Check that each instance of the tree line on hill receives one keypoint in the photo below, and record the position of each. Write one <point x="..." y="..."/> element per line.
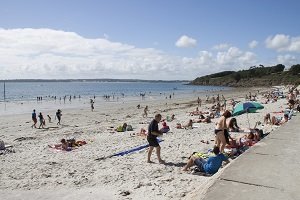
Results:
<point x="254" y="76"/>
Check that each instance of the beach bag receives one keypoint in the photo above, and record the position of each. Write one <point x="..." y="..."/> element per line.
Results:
<point x="2" y="145"/>
<point x="120" y="129"/>
<point x="129" y="128"/>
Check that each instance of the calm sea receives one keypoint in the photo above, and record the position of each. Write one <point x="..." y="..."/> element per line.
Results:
<point x="26" y="93"/>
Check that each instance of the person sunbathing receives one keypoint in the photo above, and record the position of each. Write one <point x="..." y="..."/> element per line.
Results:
<point x="143" y="132"/>
<point x="279" y="120"/>
<point x="63" y="146"/>
<point x="202" y="119"/>
<point x="248" y="140"/>
<point x="232" y="125"/>
<point x="196" y="112"/>
<point x="211" y="166"/>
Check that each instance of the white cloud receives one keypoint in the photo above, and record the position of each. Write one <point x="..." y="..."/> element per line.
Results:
<point x="185" y="41"/>
<point x="281" y="42"/>
<point x="253" y="44"/>
<point x="46" y="53"/>
<point x="221" y="47"/>
<point x="287" y="60"/>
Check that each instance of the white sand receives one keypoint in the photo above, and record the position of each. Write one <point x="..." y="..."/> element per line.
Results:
<point x="37" y="172"/>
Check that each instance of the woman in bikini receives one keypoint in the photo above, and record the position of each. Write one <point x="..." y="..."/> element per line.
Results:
<point x="222" y="135"/>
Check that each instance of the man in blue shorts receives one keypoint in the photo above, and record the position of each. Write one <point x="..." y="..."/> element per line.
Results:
<point x="210" y="166"/>
<point x="153" y="132"/>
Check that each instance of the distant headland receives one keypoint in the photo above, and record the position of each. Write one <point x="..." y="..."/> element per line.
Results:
<point x="254" y="76"/>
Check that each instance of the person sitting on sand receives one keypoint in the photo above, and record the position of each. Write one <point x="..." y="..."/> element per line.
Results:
<point x="189" y="125"/>
<point x="63" y="146"/>
<point x="172" y="117"/>
<point x="279" y="120"/>
<point x="165" y="128"/>
<point x="143" y="132"/>
<point x="247" y="140"/>
<point x="267" y="119"/>
<point x="211" y="166"/>
<point x="232" y="125"/>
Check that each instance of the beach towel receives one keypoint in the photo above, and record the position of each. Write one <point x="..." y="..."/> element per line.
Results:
<point x="122" y="153"/>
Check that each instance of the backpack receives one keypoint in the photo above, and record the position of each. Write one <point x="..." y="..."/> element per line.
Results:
<point x="129" y="128"/>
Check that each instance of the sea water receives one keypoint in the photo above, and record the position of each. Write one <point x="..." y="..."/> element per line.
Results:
<point x="22" y="97"/>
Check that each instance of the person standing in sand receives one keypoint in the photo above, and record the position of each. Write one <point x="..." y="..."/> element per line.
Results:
<point x="153" y="132"/>
<point x="42" y="120"/>
<point x="145" y="112"/>
<point x="92" y="105"/>
<point x="34" y="119"/>
<point x="221" y="132"/>
<point x="58" y="115"/>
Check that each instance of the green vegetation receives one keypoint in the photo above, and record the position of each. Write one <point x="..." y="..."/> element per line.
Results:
<point x="254" y="76"/>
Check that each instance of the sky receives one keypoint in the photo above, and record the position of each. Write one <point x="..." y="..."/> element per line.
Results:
<point x="143" y="39"/>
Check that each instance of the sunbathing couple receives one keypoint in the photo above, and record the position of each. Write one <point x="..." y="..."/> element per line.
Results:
<point x="67" y="145"/>
<point x="276" y="120"/>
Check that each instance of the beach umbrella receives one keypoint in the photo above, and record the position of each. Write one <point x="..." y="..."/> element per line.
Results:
<point x="246" y="107"/>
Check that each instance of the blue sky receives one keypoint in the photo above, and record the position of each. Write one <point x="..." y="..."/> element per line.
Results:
<point x="139" y="39"/>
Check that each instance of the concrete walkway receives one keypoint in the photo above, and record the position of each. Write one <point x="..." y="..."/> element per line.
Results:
<point x="269" y="170"/>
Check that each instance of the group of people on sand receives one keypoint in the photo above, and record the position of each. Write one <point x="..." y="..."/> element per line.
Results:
<point x="210" y="166"/>
<point x="223" y="141"/>
<point x="42" y="119"/>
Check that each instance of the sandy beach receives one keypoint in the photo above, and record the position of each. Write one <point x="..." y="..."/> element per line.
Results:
<point x="36" y="171"/>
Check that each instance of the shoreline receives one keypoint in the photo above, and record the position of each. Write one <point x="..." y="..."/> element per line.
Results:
<point x="35" y="167"/>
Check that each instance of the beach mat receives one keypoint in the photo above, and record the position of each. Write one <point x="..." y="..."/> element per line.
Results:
<point x="122" y="153"/>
